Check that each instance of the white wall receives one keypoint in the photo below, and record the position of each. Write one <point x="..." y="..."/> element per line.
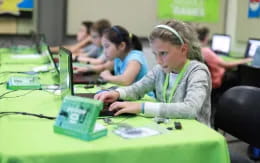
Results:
<point x="239" y="26"/>
<point x="231" y="26"/>
<point x="138" y="16"/>
<point x="12" y="25"/>
<point x="246" y="27"/>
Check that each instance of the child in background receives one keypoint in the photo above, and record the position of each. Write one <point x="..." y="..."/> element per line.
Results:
<point x="96" y="35"/>
<point x="222" y="78"/>
<point x="123" y="55"/>
<point x="83" y="38"/>
<point x="217" y="66"/>
<point x="95" y="57"/>
<point x="125" y="50"/>
<point x="181" y="81"/>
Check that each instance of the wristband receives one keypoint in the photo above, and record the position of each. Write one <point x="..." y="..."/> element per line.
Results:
<point x="76" y="58"/>
<point x="142" y="108"/>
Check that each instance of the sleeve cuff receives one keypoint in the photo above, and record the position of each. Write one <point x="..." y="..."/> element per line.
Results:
<point x="122" y="94"/>
<point x="151" y="109"/>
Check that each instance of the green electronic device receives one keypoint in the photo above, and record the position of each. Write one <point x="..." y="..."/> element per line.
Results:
<point x="77" y="118"/>
<point x="23" y="83"/>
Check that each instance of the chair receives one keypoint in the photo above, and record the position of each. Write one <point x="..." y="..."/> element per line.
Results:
<point x="249" y="75"/>
<point x="238" y="113"/>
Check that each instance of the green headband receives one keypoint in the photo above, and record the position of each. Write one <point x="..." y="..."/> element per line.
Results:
<point x="171" y="30"/>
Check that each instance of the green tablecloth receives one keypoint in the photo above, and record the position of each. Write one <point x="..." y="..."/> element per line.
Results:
<point x="19" y="50"/>
<point x="230" y="58"/>
<point x="7" y="57"/>
<point x="25" y="139"/>
<point x="227" y="58"/>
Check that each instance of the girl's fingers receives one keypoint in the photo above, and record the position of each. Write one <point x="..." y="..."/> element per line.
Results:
<point x="116" y="106"/>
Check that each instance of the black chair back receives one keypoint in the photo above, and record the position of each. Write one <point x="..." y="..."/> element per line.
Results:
<point x="249" y="75"/>
<point x="238" y="113"/>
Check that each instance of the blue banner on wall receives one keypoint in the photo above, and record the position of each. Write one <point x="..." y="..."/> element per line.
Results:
<point x="16" y="8"/>
<point x="26" y="5"/>
<point x="254" y="9"/>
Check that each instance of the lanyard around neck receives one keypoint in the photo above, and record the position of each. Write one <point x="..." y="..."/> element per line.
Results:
<point x="176" y="82"/>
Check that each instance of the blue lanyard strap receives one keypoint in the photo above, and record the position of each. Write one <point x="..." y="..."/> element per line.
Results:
<point x="176" y="82"/>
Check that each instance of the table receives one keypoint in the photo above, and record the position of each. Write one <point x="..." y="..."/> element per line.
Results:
<point x="25" y="139"/>
<point x="228" y="58"/>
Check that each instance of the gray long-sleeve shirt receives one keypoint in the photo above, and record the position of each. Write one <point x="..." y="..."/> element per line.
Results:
<point x="191" y="99"/>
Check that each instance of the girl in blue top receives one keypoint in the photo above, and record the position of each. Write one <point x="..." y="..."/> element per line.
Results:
<point x="124" y="50"/>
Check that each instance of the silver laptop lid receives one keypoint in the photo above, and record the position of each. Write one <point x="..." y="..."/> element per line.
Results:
<point x="221" y="44"/>
<point x="252" y="45"/>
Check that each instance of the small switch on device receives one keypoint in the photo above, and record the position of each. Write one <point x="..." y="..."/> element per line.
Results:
<point x="177" y="125"/>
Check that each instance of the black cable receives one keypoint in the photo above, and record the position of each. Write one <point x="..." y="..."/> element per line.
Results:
<point x="6" y="93"/>
<point x="5" y="72"/>
<point x="21" y="72"/>
<point x="1" y="97"/>
<point x="1" y="83"/>
<point x="29" y="114"/>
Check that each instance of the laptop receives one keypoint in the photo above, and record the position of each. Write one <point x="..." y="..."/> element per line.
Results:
<point x="66" y="80"/>
<point x="39" y="39"/>
<point x="30" y="55"/>
<point x="82" y="78"/>
<point x="31" y="82"/>
<point x="36" y="39"/>
<point x="252" y="45"/>
<point x="30" y="51"/>
<point x="45" y="50"/>
<point x="221" y="44"/>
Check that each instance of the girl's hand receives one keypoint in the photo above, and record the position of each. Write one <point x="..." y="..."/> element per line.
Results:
<point x="83" y="59"/>
<point x="125" y="107"/>
<point x="248" y="60"/>
<point x="106" y="74"/>
<point x="80" y="69"/>
<point x="107" y="96"/>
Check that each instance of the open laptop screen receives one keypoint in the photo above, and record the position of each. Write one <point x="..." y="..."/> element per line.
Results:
<point x="252" y="45"/>
<point x="45" y="50"/>
<point x="65" y="63"/>
<point x="39" y="39"/>
<point x="221" y="44"/>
